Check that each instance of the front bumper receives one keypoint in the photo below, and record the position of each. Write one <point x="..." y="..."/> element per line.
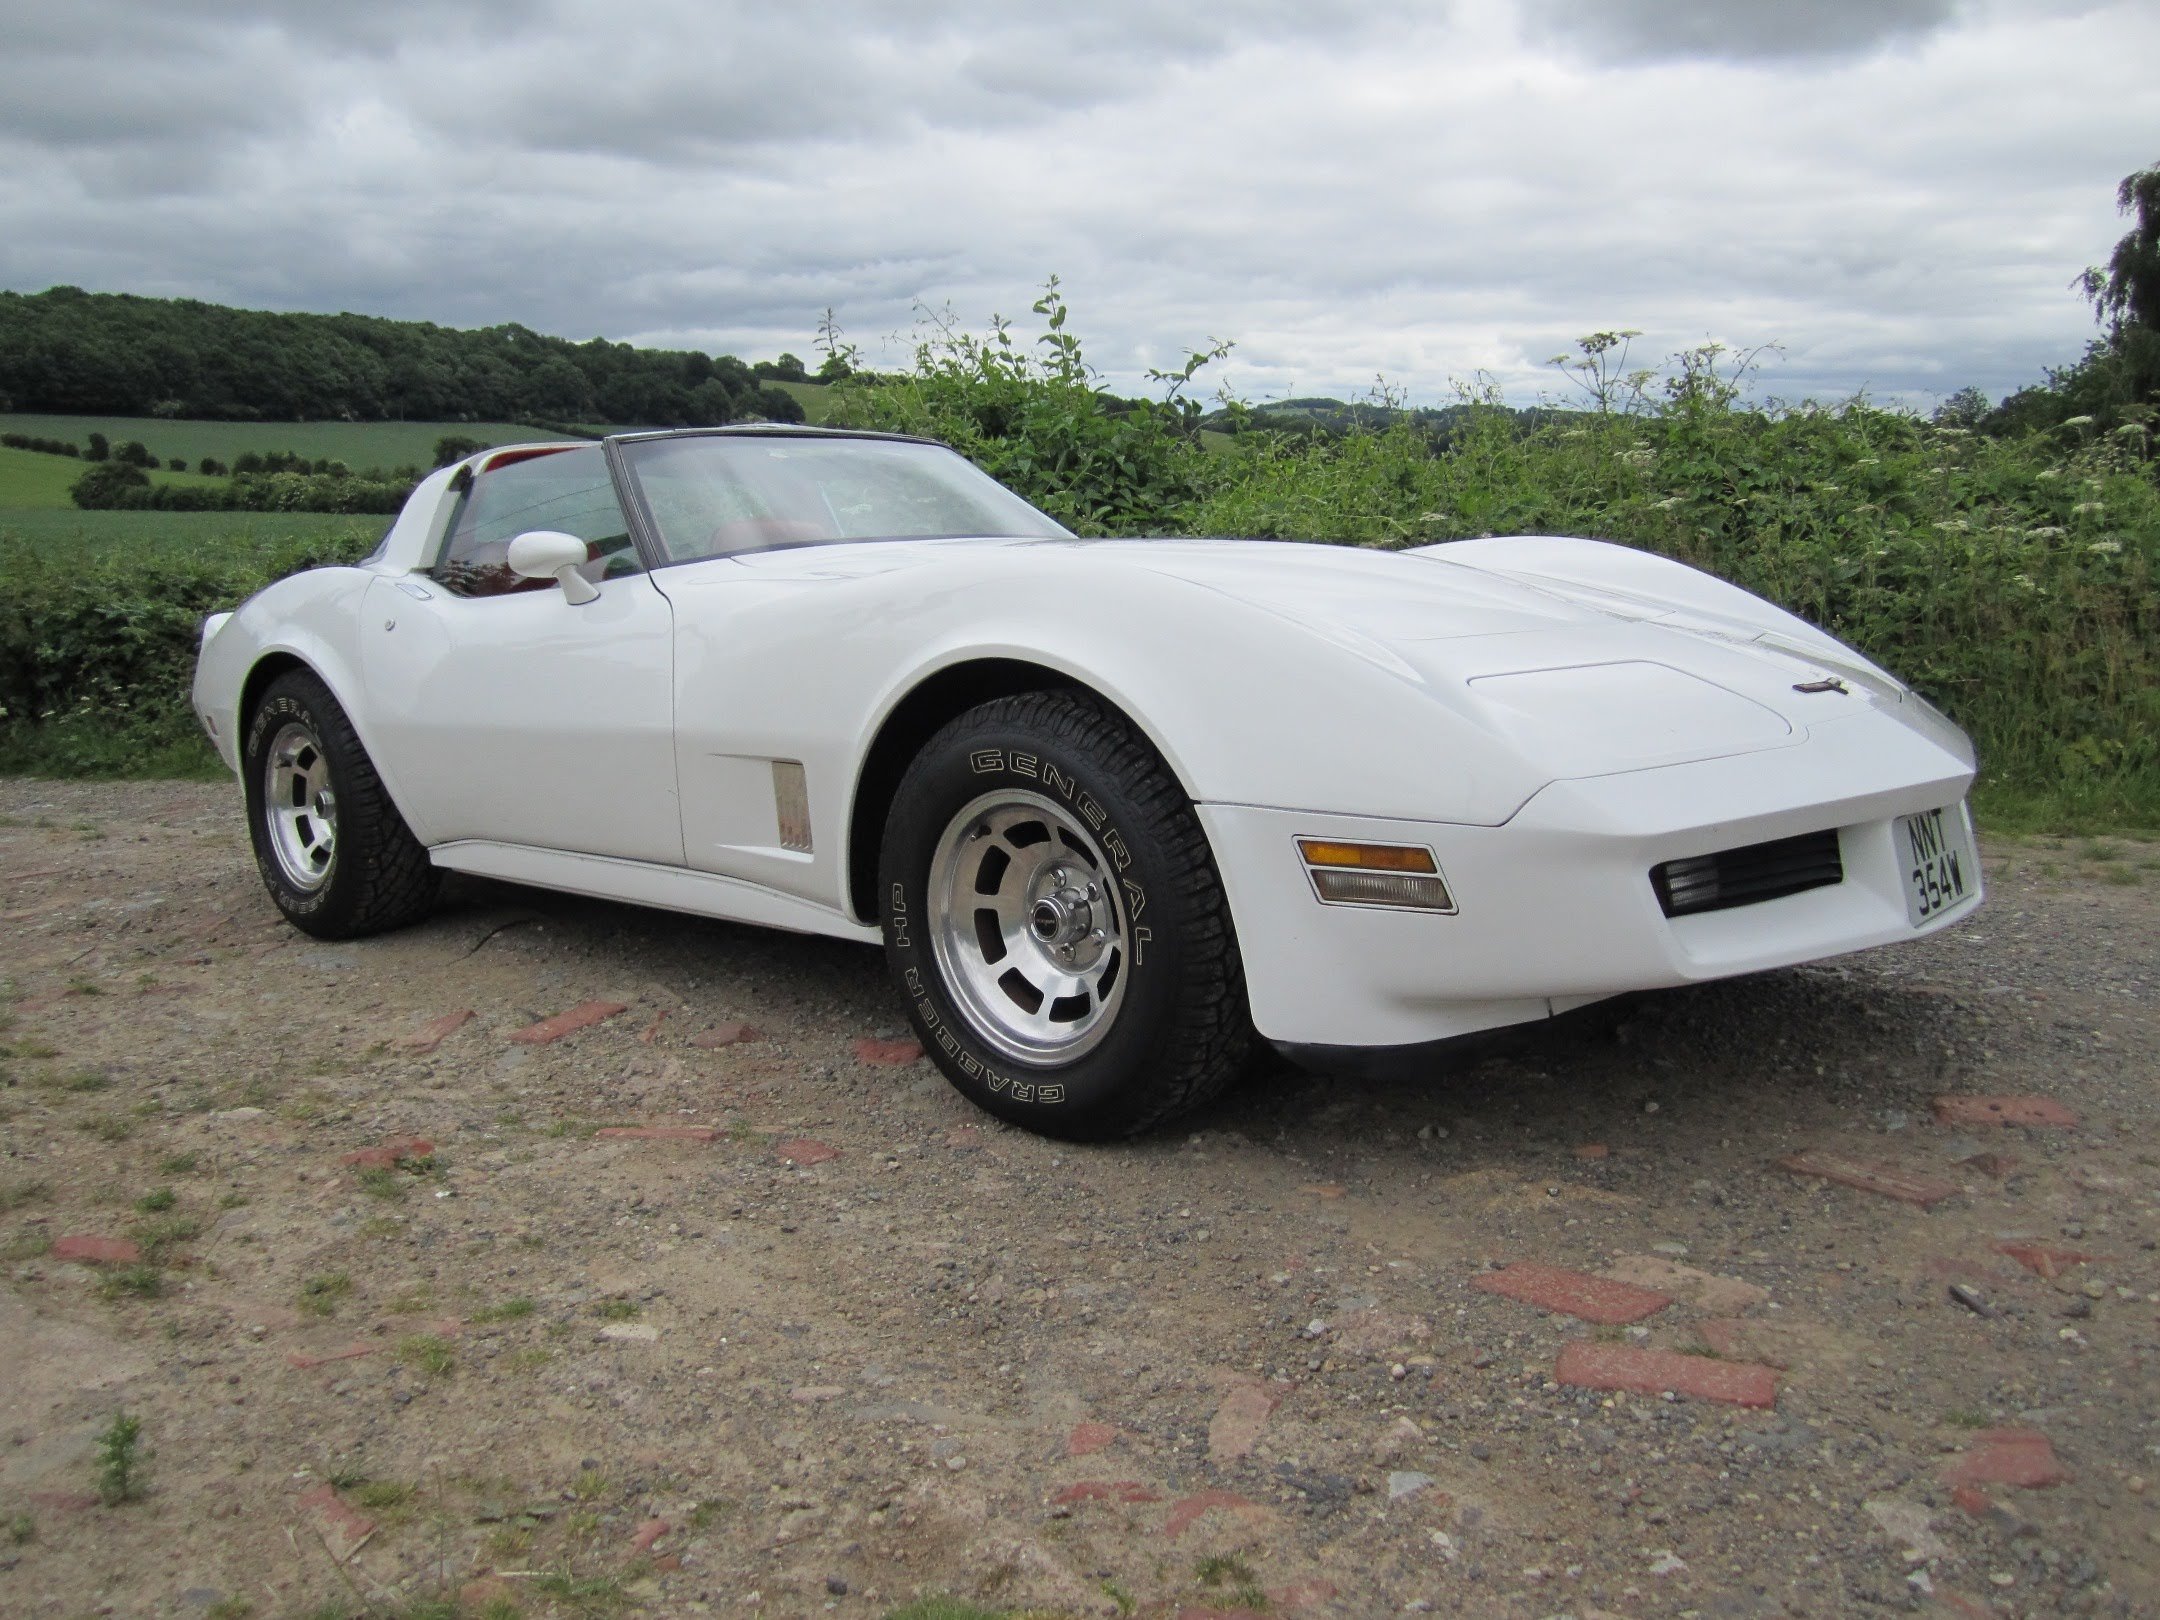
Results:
<point x="1555" y="908"/>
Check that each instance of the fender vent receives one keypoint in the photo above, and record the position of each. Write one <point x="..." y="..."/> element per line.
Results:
<point x="791" y="804"/>
<point x="1749" y="875"/>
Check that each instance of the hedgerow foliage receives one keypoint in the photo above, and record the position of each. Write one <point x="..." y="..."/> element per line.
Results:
<point x="97" y="655"/>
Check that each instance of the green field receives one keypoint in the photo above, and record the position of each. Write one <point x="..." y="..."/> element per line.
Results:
<point x="33" y="480"/>
<point x="362" y="446"/>
<point x="158" y="537"/>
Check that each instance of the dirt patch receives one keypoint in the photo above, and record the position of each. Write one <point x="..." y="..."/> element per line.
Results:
<point x="635" y="1316"/>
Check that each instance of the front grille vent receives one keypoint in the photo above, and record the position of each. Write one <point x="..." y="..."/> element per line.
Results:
<point x="1747" y="876"/>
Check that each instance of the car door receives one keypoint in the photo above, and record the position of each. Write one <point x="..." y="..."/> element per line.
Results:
<point x="511" y="713"/>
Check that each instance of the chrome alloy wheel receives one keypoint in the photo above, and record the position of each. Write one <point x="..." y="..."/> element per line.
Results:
<point x="1027" y="927"/>
<point x="300" y="806"/>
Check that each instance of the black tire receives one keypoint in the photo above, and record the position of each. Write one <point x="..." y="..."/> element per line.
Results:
<point x="1170" y="1027"/>
<point x="364" y="872"/>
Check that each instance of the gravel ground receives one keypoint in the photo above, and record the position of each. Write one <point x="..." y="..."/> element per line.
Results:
<point x="853" y="1344"/>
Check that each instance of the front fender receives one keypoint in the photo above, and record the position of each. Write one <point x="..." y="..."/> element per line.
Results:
<point x="313" y="618"/>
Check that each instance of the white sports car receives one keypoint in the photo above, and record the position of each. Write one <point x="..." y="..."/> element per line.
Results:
<point x="1112" y="806"/>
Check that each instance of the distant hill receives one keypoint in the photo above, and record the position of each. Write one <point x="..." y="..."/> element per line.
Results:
<point x="114" y="354"/>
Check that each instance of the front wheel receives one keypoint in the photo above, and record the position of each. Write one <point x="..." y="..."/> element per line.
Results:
<point x="1054" y="918"/>
<point x="333" y="851"/>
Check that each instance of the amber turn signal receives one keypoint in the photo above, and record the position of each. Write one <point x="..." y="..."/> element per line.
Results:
<point x="1367" y="857"/>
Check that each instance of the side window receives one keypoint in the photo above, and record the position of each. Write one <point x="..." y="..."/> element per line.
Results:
<point x="566" y="490"/>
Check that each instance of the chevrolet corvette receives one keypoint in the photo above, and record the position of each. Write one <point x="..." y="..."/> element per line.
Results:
<point x="1113" y="808"/>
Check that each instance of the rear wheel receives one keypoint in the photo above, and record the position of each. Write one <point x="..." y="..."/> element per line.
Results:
<point x="1054" y="918"/>
<point x="333" y="851"/>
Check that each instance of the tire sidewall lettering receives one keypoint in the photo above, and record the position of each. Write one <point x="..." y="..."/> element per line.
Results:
<point x="1035" y="772"/>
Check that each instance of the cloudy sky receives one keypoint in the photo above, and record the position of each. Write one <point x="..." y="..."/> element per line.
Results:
<point x="1896" y="191"/>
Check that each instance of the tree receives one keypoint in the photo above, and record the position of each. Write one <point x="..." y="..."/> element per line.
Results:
<point x="2126" y="294"/>
<point x="449" y="448"/>
<point x="99" y="448"/>
<point x="777" y="405"/>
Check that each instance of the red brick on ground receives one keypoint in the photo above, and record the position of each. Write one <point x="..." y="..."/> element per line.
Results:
<point x="1902" y="1185"/>
<point x="1185" y="1514"/>
<point x="98" y="1251"/>
<point x="725" y="1035"/>
<point x="803" y="1150"/>
<point x="1088" y="1438"/>
<point x="1593" y="1150"/>
<point x="660" y="1133"/>
<point x="2044" y="1112"/>
<point x="648" y="1533"/>
<point x="2046" y="1260"/>
<point x="1572" y="1293"/>
<point x="1322" y="1189"/>
<point x="1652" y="1372"/>
<point x="1971" y="1499"/>
<point x="889" y="1053"/>
<point x="1105" y="1490"/>
<point x="392" y="1152"/>
<point x="583" y="1016"/>
<point x="2024" y="1458"/>
<point x="344" y="1530"/>
<point x="304" y="1362"/>
<point x="432" y="1034"/>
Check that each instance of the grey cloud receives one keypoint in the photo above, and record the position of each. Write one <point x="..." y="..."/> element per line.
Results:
<point x="1735" y="30"/>
<point x="1344" y="191"/>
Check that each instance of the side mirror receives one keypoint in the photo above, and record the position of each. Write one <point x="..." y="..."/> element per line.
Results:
<point x="549" y="553"/>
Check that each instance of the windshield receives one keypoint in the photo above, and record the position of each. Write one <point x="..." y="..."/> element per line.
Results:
<point x="712" y="494"/>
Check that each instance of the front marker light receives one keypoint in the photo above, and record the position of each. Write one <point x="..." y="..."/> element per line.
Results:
<point x="1403" y="877"/>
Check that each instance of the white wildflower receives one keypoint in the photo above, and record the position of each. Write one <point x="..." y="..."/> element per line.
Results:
<point x="1953" y="526"/>
<point x="2046" y="531"/>
<point x="2077" y="421"/>
<point x="2083" y="507"/>
<point x="2106" y="548"/>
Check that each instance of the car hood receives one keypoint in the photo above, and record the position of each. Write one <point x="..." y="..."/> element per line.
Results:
<point x="1591" y="679"/>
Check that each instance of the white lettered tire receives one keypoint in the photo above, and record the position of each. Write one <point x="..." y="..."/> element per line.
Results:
<point x="1054" y="918"/>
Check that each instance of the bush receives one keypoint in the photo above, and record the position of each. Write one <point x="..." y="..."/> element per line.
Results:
<point x="106" y="648"/>
<point x="1032" y="417"/>
<point x="452" y="448"/>
<point x="50" y="447"/>
<point x="109" y="484"/>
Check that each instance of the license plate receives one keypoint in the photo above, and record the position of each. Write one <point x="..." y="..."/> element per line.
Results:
<point x="1940" y="866"/>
